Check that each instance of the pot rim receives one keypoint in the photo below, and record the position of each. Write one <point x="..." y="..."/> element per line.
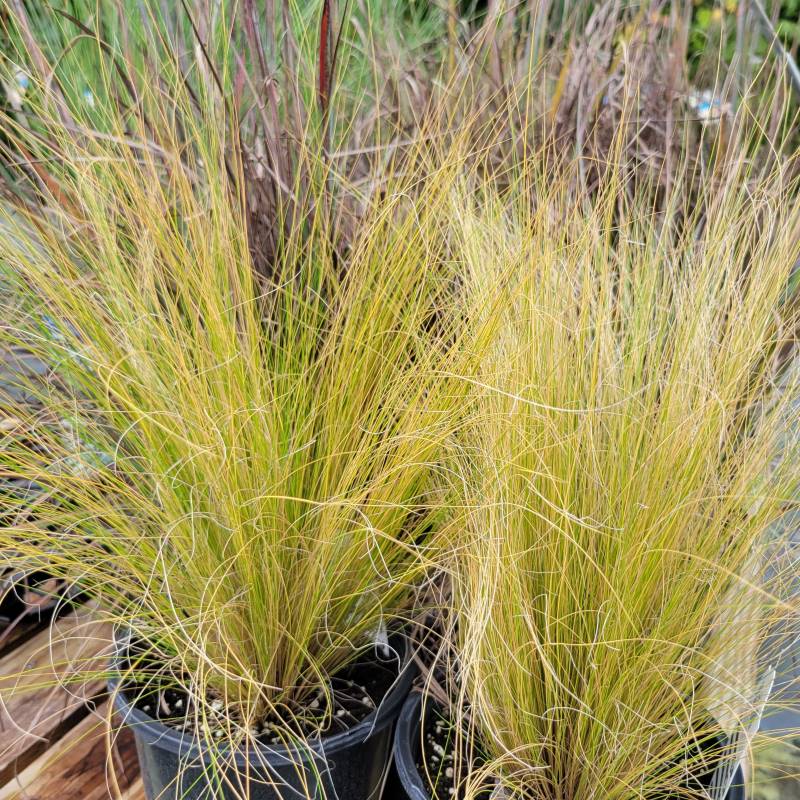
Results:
<point x="404" y="761"/>
<point x="186" y="745"/>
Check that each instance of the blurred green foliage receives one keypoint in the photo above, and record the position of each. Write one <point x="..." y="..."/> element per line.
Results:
<point x="714" y="24"/>
<point x="777" y="771"/>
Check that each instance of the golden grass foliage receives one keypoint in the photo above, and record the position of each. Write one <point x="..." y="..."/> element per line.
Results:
<point x="240" y="469"/>
<point x="630" y="447"/>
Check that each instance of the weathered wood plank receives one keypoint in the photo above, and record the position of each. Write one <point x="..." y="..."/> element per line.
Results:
<point x="43" y="690"/>
<point x="79" y="767"/>
<point x="136" y="792"/>
<point x="12" y="637"/>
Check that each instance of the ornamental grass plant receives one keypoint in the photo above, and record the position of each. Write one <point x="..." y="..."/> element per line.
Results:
<point x="618" y="573"/>
<point x="239" y="467"/>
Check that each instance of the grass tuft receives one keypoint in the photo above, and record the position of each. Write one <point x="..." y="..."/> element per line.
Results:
<point x="629" y="454"/>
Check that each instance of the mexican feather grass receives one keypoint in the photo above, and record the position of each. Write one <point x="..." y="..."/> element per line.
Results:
<point x="240" y="469"/>
<point x="626" y="473"/>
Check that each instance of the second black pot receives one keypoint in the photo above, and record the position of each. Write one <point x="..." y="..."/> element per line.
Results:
<point x="345" y="766"/>
<point x="409" y="784"/>
<point x="28" y="594"/>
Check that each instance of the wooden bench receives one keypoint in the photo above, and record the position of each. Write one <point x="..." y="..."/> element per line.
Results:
<point x="56" y="740"/>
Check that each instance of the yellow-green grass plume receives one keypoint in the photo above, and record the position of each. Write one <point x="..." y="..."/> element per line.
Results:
<point x="240" y="467"/>
<point x="629" y="455"/>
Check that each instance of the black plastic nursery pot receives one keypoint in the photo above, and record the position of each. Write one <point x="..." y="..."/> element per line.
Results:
<point x="350" y="765"/>
<point x="28" y="593"/>
<point x="410" y="785"/>
<point x="33" y="594"/>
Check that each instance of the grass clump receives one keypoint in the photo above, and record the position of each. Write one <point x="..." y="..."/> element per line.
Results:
<point x="630" y="449"/>
<point x="239" y="466"/>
